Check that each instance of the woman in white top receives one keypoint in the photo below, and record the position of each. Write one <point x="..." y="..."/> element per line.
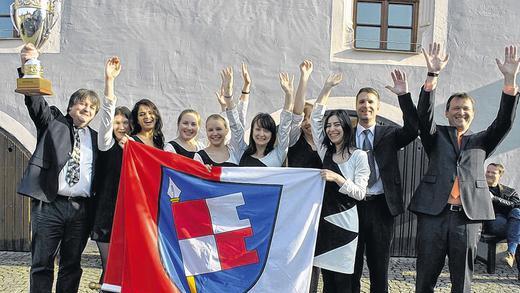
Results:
<point x="262" y="150"/>
<point x="346" y="171"/>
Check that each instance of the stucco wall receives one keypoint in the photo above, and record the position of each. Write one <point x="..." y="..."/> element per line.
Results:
<point x="172" y="52"/>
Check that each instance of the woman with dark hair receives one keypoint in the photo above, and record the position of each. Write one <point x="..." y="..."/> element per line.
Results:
<point x="262" y="150"/>
<point x="114" y="126"/>
<point x="186" y="143"/>
<point x="147" y="124"/>
<point x="346" y="171"/>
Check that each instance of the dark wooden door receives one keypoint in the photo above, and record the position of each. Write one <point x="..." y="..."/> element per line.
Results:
<point x="14" y="209"/>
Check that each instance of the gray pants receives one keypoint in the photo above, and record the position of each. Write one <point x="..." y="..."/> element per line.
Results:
<point x="449" y="234"/>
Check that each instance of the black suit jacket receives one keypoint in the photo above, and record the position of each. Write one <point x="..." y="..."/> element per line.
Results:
<point x="53" y="149"/>
<point x="388" y="140"/>
<point x="447" y="160"/>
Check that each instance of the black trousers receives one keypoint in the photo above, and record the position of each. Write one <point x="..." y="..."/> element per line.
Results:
<point x="334" y="282"/>
<point x="450" y="233"/>
<point x="60" y="227"/>
<point x="376" y="231"/>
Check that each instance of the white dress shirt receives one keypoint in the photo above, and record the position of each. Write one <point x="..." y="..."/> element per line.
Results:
<point x="377" y="188"/>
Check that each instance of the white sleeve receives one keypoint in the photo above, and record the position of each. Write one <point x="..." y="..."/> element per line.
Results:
<point x="317" y="129"/>
<point x="242" y="111"/>
<point x="106" y="129"/>
<point x="357" y="188"/>
<point x="169" y="148"/>
<point x="295" y="132"/>
<point x="277" y="156"/>
<point x="237" y="142"/>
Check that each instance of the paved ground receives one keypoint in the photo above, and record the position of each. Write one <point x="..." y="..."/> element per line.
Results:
<point x="14" y="272"/>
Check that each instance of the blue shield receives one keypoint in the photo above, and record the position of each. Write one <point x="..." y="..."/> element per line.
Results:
<point x="260" y="207"/>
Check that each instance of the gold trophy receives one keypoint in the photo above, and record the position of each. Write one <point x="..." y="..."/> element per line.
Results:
<point x="34" y="20"/>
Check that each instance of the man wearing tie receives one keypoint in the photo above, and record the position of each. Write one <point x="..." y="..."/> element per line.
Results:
<point x="453" y="198"/>
<point x="58" y="179"/>
<point x="384" y="199"/>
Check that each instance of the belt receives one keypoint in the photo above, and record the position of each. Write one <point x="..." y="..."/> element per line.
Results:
<point x="370" y="197"/>
<point x="73" y="198"/>
<point x="454" y="208"/>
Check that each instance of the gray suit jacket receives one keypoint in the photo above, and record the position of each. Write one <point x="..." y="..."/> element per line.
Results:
<point x="53" y="149"/>
<point x="447" y="160"/>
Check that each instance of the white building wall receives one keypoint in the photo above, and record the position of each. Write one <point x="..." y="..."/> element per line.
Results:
<point x="172" y="52"/>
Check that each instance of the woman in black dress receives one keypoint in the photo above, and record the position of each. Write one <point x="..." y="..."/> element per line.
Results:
<point x="261" y="151"/>
<point x="346" y="171"/>
<point x="217" y="153"/>
<point x="114" y="126"/>
<point x="147" y="124"/>
<point x="186" y="143"/>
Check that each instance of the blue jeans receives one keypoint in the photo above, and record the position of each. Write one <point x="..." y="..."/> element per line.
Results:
<point x="507" y="227"/>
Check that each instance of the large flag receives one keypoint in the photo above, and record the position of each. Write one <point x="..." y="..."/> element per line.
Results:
<point x="181" y="228"/>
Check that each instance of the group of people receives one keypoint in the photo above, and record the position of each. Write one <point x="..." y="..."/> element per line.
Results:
<point x="74" y="172"/>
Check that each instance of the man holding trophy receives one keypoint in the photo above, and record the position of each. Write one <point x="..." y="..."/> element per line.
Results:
<point x="59" y="175"/>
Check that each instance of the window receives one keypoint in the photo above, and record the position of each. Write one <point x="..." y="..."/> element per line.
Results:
<point x="7" y="30"/>
<point x="386" y="25"/>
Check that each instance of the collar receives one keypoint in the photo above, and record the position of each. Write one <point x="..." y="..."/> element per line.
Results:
<point x="360" y="129"/>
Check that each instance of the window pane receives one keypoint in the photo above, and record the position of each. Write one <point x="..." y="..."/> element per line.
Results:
<point x="4" y="6"/>
<point x="399" y="39"/>
<point x="400" y="15"/>
<point x="367" y="37"/>
<point x="6" y="28"/>
<point x="369" y="13"/>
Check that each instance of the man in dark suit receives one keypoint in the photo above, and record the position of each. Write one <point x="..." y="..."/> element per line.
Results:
<point x="59" y="179"/>
<point x="453" y="198"/>
<point x="384" y="199"/>
<point x="506" y="203"/>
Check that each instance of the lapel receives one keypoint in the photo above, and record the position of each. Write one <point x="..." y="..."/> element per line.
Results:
<point x="452" y="131"/>
<point x="378" y="135"/>
<point x="93" y="139"/>
<point x="70" y="125"/>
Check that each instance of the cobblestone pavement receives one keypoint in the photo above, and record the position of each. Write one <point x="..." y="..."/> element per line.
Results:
<point x="14" y="274"/>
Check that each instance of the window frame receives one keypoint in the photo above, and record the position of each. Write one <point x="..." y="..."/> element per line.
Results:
<point x="14" y="35"/>
<point x="383" y="25"/>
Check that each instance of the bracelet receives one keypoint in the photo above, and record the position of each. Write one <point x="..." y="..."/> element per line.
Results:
<point x="228" y="97"/>
<point x="245" y="93"/>
<point x="433" y="74"/>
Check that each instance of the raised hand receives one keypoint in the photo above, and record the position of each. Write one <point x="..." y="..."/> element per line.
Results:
<point x="306" y="69"/>
<point x="400" y="83"/>
<point x="227" y="81"/>
<point x="509" y="67"/>
<point x="333" y="80"/>
<point x="112" y="67"/>
<point x="220" y="98"/>
<point x="29" y="51"/>
<point x="287" y="83"/>
<point x="245" y="75"/>
<point x="434" y="59"/>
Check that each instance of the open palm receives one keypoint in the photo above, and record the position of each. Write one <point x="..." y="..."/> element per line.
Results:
<point x="434" y="59"/>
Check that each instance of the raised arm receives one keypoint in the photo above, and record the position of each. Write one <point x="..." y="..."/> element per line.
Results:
<point x="299" y="101"/>
<point x="236" y="142"/>
<point x="502" y="124"/>
<point x="39" y="111"/>
<point x="410" y="129"/>
<point x="105" y="134"/>
<point x="319" y="110"/>
<point x="435" y="61"/>
<point x="281" y="148"/>
<point x="243" y="102"/>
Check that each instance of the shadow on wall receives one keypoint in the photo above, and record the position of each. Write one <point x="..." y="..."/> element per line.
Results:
<point x="487" y="100"/>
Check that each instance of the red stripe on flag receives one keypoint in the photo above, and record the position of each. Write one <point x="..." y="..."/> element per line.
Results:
<point x="232" y="250"/>
<point x="192" y="219"/>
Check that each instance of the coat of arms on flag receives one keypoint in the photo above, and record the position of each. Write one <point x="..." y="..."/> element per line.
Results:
<point x="180" y="228"/>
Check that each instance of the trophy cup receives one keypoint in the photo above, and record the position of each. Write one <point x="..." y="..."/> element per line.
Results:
<point x="34" y="20"/>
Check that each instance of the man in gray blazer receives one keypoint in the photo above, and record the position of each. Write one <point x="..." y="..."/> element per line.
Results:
<point x="58" y="179"/>
<point x="453" y="198"/>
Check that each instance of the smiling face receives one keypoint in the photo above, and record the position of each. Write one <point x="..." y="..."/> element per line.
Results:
<point x="261" y="135"/>
<point x="216" y="131"/>
<point x="492" y="175"/>
<point x="146" y="118"/>
<point x="121" y="126"/>
<point x="334" y="130"/>
<point x="83" y="112"/>
<point x="367" y="107"/>
<point x="188" y="126"/>
<point x="460" y="113"/>
<point x="306" y="123"/>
